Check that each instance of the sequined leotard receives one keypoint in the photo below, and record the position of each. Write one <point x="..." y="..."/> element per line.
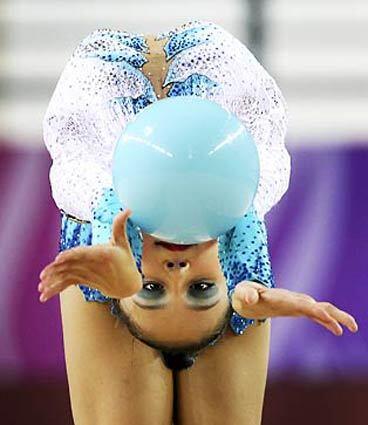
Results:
<point x="111" y="76"/>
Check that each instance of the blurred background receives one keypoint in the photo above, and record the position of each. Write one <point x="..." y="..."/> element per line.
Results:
<point x="318" y="233"/>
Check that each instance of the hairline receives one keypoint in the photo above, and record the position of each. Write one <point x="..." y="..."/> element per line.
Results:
<point x="138" y="333"/>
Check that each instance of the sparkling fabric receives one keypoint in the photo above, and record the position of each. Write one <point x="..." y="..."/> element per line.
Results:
<point x="74" y="233"/>
<point x="103" y="217"/>
<point x="102" y="88"/>
<point x="243" y="250"/>
<point x="243" y="255"/>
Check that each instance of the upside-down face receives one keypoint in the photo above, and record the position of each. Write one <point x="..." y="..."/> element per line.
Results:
<point x="184" y="295"/>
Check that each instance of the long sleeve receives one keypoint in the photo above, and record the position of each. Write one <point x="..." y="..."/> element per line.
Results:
<point x="244" y="256"/>
<point x="74" y="232"/>
<point x="232" y="77"/>
<point x="87" y="112"/>
<point x="107" y="207"/>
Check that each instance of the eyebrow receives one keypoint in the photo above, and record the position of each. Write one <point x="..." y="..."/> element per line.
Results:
<point x="195" y="280"/>
<point x="163" y="306"/>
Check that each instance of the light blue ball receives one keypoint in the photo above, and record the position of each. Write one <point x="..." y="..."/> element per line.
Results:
<point x="187" y="168"/>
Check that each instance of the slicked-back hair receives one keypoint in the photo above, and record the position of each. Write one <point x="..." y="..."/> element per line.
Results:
<point x="174" y="358"/>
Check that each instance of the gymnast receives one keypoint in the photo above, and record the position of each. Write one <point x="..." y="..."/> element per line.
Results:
<point x="159" y="333"/>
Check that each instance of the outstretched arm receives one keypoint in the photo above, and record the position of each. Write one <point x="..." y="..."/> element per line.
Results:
<point x="253" y="300"/>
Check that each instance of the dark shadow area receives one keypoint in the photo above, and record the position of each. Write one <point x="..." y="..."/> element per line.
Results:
<point x="336" y="402"/>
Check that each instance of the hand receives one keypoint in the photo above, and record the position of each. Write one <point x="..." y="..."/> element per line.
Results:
<point x="256" y="301"/>
<point x="110" y="267"/>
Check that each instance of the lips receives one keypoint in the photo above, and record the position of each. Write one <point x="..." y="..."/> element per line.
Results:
<point x="173" y="246"/>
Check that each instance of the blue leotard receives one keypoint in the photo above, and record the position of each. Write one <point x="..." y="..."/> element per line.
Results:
<point x="242" y="251"/>
<point x="103" y="87"/>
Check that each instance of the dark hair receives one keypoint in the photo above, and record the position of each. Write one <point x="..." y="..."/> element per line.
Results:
<point x="174" y="358"/>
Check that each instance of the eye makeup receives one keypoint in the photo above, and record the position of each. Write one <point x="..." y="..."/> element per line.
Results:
<point x="202" y="290"/>
<point x="199" y="294"/>
<point x="152" y="291"/>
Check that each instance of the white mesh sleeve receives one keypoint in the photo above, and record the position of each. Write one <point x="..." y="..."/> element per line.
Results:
<point x="83" y="119"/>
<point x="258" y="102"/>
<point x="246" y="89"/>
<point x="262" y="108"/>
<point x="83" y="122"/>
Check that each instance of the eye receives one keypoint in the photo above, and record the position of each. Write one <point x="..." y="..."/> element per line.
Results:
<point x="151" y="291"/>
<point x="201" y="286"/>
<point x="153" y="287"/>
<point x="202" y="290"/>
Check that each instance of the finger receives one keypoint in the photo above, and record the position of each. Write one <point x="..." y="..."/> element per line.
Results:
<point x="95" y="268"/>
<point x="74" y="280"/>
<point x="47" y="286"/>
<point x="69" y="277"/>
<point x="54" y="268"/>
<point x="42" y="298"/>
<point x="248" y="294"/>
<point x="69" y="254"/>
<point x="319" y="312"/>
<point x="49" y="290"/>
<point x="48" y="270"/>
<point x="79" y="257"/>
<point x="331" y="327"/>
<point x="119" y="231"/>
<point x="48" y="293"/>
<point x="49" y="282"/>
<point x="59" y="282"/>
<point x="78" y="253"/>
<point x="343" y="317"/>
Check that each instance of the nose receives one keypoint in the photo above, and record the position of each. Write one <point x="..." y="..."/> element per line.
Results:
<point x="176" y="264"/>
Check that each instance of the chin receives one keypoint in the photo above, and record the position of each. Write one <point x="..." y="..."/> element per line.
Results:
<point x="177" y="247"/>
